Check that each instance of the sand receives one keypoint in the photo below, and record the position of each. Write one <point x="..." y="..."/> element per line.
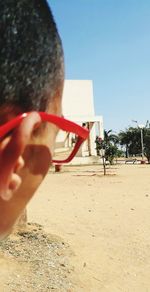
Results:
<point x="34" y="261"/>
<point x="105" y="221"/>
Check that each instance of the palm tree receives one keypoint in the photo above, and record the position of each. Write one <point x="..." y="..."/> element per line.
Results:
<point x="126" y="138"/>
<point x="131" y="139"/>
<point x="109" y="144"/>
<point x="109" y="137"/>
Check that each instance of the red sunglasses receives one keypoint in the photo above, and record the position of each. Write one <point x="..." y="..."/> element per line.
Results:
<point x="62" y="123"/>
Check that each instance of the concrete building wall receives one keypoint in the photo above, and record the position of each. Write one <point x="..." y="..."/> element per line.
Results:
<point x="78" y="106"/>
<point x="78" y="98"/>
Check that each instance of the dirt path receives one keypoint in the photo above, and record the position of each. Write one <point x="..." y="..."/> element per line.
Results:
<point x="105" y="220"/>
<point x="34" y="261"/>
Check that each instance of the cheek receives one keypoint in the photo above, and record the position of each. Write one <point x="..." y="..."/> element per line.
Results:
<point x="37" y="160"/>
<point x="50" y="137"/>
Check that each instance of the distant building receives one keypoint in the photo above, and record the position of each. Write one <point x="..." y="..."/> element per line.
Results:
<point x="78" y="106"/>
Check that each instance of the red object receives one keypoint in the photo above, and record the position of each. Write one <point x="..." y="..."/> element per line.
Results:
<point x="60" y="122"/>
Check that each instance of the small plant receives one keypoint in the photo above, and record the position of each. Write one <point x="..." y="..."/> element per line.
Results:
<point x="108" y="146"/>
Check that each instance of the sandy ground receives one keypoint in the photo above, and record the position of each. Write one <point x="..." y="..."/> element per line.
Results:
<point x="32" y="260"/>
<point x="105" y="220"/>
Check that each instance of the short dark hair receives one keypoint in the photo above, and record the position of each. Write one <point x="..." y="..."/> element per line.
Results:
<point x="31" y="54"/>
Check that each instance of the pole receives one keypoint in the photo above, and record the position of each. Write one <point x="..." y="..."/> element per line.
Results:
<point x="102" y="154"/>
<point x="104" y="165"/>
<point x="142" y="144"/>
<point x="141" y="127"/>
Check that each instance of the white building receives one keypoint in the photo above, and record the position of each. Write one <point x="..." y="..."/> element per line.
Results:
<point x="78" y="106"/>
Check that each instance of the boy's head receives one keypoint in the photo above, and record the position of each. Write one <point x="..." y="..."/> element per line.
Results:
<point x="31" y="79"/>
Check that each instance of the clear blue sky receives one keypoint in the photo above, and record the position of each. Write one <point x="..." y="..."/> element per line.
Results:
<point x="108" y="41"/>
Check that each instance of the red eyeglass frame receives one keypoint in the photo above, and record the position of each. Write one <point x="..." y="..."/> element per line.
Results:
<point x="60" y="122"/>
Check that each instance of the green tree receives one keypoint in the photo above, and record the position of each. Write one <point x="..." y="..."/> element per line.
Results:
<point x="146" y="140"/>
<point x="131" y="139"/>
<point x="108" y="145"/>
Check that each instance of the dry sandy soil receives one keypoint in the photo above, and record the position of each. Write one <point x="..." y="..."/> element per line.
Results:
<point x="103" y="224"/>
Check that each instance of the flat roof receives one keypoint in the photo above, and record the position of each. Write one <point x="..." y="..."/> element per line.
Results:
<point x="85" y="118"/>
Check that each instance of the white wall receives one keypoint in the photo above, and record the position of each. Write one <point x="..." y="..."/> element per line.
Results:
<point x="78" y="98"/>
<point x="78" y="106"/>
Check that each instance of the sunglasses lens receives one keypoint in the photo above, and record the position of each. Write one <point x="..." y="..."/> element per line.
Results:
<point x="65" y="143"/>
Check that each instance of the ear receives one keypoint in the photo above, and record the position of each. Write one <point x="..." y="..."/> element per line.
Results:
<point x="11" y="151"/>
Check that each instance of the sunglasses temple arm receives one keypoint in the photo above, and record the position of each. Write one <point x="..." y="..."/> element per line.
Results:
<point x="73" y="153"/>
<point x="11" y="125"/>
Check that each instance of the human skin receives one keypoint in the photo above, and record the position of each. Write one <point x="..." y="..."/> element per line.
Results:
<point x="25" y="158"/>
